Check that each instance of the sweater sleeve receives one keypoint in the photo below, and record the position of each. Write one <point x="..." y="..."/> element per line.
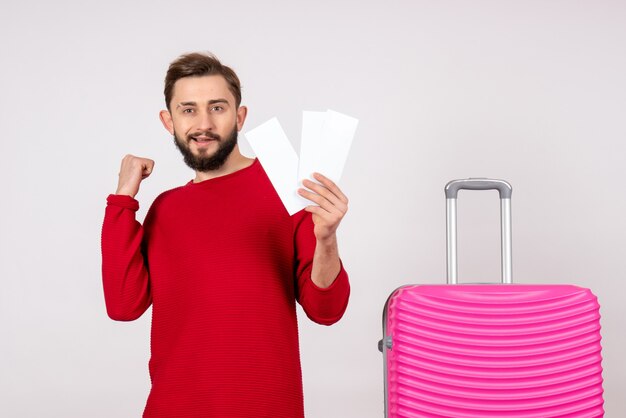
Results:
<point x="322" y="305"/>
<point x="124" y="271"/>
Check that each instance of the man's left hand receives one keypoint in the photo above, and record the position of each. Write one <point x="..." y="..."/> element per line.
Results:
<point x="331" y="207"/>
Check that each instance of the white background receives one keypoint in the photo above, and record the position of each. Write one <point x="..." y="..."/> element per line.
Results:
<point x="531" y="91"/>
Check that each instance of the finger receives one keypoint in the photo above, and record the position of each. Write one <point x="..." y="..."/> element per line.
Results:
<point x="148" y="166"/>
<point x="316" y="198"/>
<point x="326" y="193"/>
<point x="328" y="220"/>
<point x="335" y="210"/>
<point x="330" y="185"/>
<point x="321" y="190"/>
<point x="316" y="210"/>
<point x="330" y="211"/>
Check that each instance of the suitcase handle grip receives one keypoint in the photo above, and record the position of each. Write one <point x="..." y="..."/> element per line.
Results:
<point x="453" y="187"/>
<point x="452" y="190"/>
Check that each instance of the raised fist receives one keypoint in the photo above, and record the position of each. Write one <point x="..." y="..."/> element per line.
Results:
<point x="132" y="172"/>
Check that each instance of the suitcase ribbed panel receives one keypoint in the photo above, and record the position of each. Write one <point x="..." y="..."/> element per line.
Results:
<point x="480" y="351"/>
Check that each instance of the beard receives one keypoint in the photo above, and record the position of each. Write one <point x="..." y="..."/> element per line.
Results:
<point x="204" y="162"/>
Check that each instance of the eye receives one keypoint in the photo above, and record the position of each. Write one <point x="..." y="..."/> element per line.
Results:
<point x="188" y="110"/>
<point x="217" y="108"/>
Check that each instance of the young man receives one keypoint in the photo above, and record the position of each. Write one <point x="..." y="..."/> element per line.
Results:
<point x="221" y="262"/>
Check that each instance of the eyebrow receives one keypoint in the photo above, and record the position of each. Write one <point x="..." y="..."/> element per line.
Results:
<point x="211" y="102"/>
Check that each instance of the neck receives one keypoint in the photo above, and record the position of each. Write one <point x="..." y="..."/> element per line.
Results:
<point x="235" y="162"/>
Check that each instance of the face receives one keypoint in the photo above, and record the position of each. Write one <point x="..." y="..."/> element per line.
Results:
<point x="204" y="121"/>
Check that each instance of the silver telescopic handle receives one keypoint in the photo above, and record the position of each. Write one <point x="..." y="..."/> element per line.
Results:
<point x="505" y="190"/>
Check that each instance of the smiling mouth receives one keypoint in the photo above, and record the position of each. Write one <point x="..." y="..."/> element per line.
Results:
<point x="205" y="137"/>
<point x="204" y="140"/>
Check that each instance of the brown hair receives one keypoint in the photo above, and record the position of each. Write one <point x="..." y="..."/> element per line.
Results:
<point x="198" y="64"/>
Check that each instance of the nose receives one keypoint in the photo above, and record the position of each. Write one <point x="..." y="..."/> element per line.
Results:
<point x="206" y="122"/>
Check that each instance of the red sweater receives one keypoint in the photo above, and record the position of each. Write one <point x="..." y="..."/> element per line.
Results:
<point x="222" y="264"/>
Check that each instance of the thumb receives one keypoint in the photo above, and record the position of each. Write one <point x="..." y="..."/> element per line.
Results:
<point x="147" y="168"/>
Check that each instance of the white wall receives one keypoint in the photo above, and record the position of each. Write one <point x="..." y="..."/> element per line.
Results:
<point x="531" y="91"/>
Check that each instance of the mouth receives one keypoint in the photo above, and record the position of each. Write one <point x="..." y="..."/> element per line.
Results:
<point x="204" y="139"/>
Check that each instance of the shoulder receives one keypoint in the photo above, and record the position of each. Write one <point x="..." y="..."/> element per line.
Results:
<point x="167" y="197"/>
<point x="169" y="194"/>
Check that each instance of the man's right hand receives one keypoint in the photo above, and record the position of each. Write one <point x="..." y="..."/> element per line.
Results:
<point x="133" y="171"/>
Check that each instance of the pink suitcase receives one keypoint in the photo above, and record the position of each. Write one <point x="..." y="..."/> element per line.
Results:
<point x="491" y="350"/>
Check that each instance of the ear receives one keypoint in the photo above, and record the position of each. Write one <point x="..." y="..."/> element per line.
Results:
<point x="166" y="120"/>
<point x="242" y="112"/>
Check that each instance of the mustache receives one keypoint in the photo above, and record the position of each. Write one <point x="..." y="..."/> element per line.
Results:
<point x="208" y="134"/>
